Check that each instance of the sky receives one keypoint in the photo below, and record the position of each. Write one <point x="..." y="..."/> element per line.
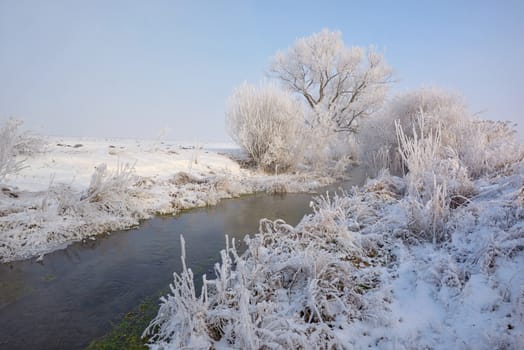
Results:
<point x="148" y="69"/>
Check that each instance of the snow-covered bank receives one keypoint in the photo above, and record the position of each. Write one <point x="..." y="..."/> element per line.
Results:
<point x="360" y="273"/>
<point x="78" y="188"/>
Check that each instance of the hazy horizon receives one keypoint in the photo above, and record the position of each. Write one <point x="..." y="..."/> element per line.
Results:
<point x="133" y="69"/>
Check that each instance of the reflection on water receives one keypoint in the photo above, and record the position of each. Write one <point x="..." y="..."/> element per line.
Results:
<point x="77" y="293"/>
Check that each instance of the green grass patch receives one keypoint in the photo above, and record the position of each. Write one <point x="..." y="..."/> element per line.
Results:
<point x="127" y="333"/>
<point x="49" y="278"/>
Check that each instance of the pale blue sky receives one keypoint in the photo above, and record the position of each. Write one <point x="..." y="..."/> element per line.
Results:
<point x="133" y="68"/>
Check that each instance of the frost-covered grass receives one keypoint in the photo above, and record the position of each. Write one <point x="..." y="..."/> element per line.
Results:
<point x="433" y="260"/>
<point x="355" y="274"/>
<point x="80" y="188"/>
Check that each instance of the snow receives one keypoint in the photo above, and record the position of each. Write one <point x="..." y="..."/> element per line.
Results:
<point x="80" y="187"/>
<point x="357" y="274"/>
<point x="389" y="265"/>
<point x="64" y="163"/>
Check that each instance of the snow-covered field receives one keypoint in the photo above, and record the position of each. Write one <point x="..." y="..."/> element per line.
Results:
<point x="72" y="160"/>
<point x="361" y="273"/>
<point x="432" y="260"/>
<point x="78" y="188"/>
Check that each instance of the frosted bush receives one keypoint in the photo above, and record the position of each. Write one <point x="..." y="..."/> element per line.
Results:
<point x="378" y="140"/>
<point x="267" y="123"/>
<point x="428" y="164"/>
<point x="9" y="140"/>
<point x="491" y="147"/>
<point x="481" y="146"/>
<point x="107" y="184"/>
<point x="115" y="194"/>
<point x="14" y="145"/>
<point x="290" y="289"/>
<point x="435" y="177"/>
<point x="27" y="143"/>
<point x="345" y="277"/>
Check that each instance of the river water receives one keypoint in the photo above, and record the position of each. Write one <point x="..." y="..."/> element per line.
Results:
<point x="76" y="294"/>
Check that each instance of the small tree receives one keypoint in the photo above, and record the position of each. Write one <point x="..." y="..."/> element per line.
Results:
<point x="345" y="84"/>
<point x="266" y="122"/>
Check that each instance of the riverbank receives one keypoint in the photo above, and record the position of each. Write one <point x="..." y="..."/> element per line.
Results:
<point x="91" y="286"/>
<point x="78" y="188"/>
<point x="375" y="268"/>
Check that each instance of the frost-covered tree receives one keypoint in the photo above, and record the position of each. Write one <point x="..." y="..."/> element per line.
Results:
<point x="266" y="122"/>
<point x="341" y="84"/>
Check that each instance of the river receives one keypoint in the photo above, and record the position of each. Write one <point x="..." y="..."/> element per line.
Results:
<point x="76" y="294"/>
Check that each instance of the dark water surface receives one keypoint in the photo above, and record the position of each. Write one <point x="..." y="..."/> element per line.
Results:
<point x="75" y="295"/>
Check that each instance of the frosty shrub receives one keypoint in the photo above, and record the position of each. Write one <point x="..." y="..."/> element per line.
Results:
<point x="9" y="141"/>
<point x="482" y="146"/>
<point x="267" y="123"/>
<point x="427" y="161"/>
<point x="436" y="179"/>
<point x="15" y="144"/>
<point x="344" y="277"/>
<point x="491" y="147"/>
<point x="440" y="109"/>
<point x="106" y="184"/>
<point x="291" y="289"/>
<point x="27" y="143"/>
<point x="8" y="163"/>
<point x="114" y="195"/>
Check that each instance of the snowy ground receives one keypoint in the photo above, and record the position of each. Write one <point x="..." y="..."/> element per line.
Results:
<point x="72" y="160"/>
<point x="81" y="187"/>
<point x="361" y="273"/>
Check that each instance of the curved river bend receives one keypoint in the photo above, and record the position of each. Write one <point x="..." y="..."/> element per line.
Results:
<point x="76" y="294"/>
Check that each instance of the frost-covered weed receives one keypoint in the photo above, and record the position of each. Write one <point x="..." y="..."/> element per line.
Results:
<point x="436" y="180"/>
<point x="290" y="289"/>
<point x="183" y="178"/>
<point x="37" y="223"/>
<point x="105" y="183"/>
<point x="378" y="139"/>
<point x="491" y="147"/>
<point x="483" y="147"/>
<point x="362" y="271"/>
<point x="14" y="145"/>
